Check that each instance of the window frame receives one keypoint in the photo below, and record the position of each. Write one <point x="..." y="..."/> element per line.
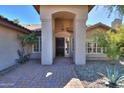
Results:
<point x="92" y="48"/>
<point x="39" y="46"/>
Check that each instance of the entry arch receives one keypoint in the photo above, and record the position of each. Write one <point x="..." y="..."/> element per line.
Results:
<point x="63" y="22"/>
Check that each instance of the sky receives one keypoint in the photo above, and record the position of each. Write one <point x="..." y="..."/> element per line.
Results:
<point x="28" y="15"/>
<point x="25" y="13"/>
<point x="101" y="14"/>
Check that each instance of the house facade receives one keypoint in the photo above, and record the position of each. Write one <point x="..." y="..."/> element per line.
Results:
<point x="92" y="49"/>
<point x="62" y="32"/>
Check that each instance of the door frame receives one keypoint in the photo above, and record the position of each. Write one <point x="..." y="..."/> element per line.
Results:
<point x="65" y="47"/>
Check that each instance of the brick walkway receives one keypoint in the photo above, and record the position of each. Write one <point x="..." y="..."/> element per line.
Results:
<point x="33" y="74"/>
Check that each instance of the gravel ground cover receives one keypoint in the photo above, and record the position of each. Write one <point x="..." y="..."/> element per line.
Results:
<point x="88" y="74"/>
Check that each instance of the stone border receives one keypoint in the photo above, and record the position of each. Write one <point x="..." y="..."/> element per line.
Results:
<point x="74" y="82"/>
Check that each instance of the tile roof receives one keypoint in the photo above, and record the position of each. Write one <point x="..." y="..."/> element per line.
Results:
<point x="27" y="28"/>
<point x="37" y="27"/>
<point x="6" y="22"/>
<point x="33" y="27"/>
<point x="98" y="25"/>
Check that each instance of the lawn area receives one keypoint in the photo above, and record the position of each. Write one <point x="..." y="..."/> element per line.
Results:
<point x="88" y="74"/>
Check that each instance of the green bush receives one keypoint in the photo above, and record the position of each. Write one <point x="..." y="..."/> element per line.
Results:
<point x="112" y="41"/>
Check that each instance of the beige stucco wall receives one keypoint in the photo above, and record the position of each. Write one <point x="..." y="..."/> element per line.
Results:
<point x="90" y="35"/>
<point x="92" y="32"/>
<point x="47" y="10"/>
<point x="9" y="44"/>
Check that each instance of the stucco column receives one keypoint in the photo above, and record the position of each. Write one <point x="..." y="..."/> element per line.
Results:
<point x="47" y="43"/>
<point x="79" y="41"/>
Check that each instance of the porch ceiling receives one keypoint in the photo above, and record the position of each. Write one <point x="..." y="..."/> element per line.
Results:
<point x="63" y="15"/>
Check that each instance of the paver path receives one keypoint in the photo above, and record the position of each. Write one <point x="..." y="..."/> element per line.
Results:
<point x="33" y="74"/>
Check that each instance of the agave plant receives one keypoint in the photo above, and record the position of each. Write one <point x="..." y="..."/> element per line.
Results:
<point x="112" y="78"/>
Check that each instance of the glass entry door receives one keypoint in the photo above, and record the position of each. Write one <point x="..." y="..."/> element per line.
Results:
<point x="60" y="47"/>
<point x="67" y="47"/>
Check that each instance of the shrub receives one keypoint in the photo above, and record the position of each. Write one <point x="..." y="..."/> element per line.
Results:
<point x="26" y="39"/>
<point x="112" y="41"/>
<point x="22" y="57"/>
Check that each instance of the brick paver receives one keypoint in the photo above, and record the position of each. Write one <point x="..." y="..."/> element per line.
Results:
<point x="33" y="74"/>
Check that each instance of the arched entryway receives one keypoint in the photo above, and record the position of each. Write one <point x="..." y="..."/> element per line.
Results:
<point x="63" y="23"/>
<point x="71" y="20"/>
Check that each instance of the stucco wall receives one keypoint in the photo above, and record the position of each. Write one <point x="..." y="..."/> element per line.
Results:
<point x="47" y="10"/>
<point x="90" y="35"/>
<point x="9" y="44"/>
<point x="92" y="32"/>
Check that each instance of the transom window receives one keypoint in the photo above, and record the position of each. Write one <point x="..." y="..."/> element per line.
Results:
<point x="37" y="46"/>
<point x="94" y="48"/>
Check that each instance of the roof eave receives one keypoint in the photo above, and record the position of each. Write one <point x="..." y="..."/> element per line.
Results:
<point x="90" y="7"/>
<point x="37" y="8"/>
<point x="10" y="24"/>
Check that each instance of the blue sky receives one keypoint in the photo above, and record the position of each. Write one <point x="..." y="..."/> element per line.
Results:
<point x="25" y="13"/>
<point x="28" y="15"/>
<point x="100" y="14"/>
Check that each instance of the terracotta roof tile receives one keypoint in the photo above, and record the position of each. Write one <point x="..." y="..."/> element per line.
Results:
<point x="6" y="22"/>
<point x="98" y="25"/>
<point x="33" y="27"/>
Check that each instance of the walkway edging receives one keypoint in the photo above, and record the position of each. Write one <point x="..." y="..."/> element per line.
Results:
<point x="74" y="83"/>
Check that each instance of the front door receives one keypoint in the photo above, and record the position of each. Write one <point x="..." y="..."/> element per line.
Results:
<point x="60" y="47"/>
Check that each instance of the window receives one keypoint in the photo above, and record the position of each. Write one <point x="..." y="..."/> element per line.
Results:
<point x="94" y="48"/>
<point x="37" y="46"/>
<point x="89" y="48"/>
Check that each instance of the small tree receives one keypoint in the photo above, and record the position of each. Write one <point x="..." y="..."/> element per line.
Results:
<point x="112" y="41"/>
<point x="25" y="40"/>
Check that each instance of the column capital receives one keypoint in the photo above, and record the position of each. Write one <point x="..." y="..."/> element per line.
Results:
<point x="81" y="18"/>
<point x="46" y="20"/>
